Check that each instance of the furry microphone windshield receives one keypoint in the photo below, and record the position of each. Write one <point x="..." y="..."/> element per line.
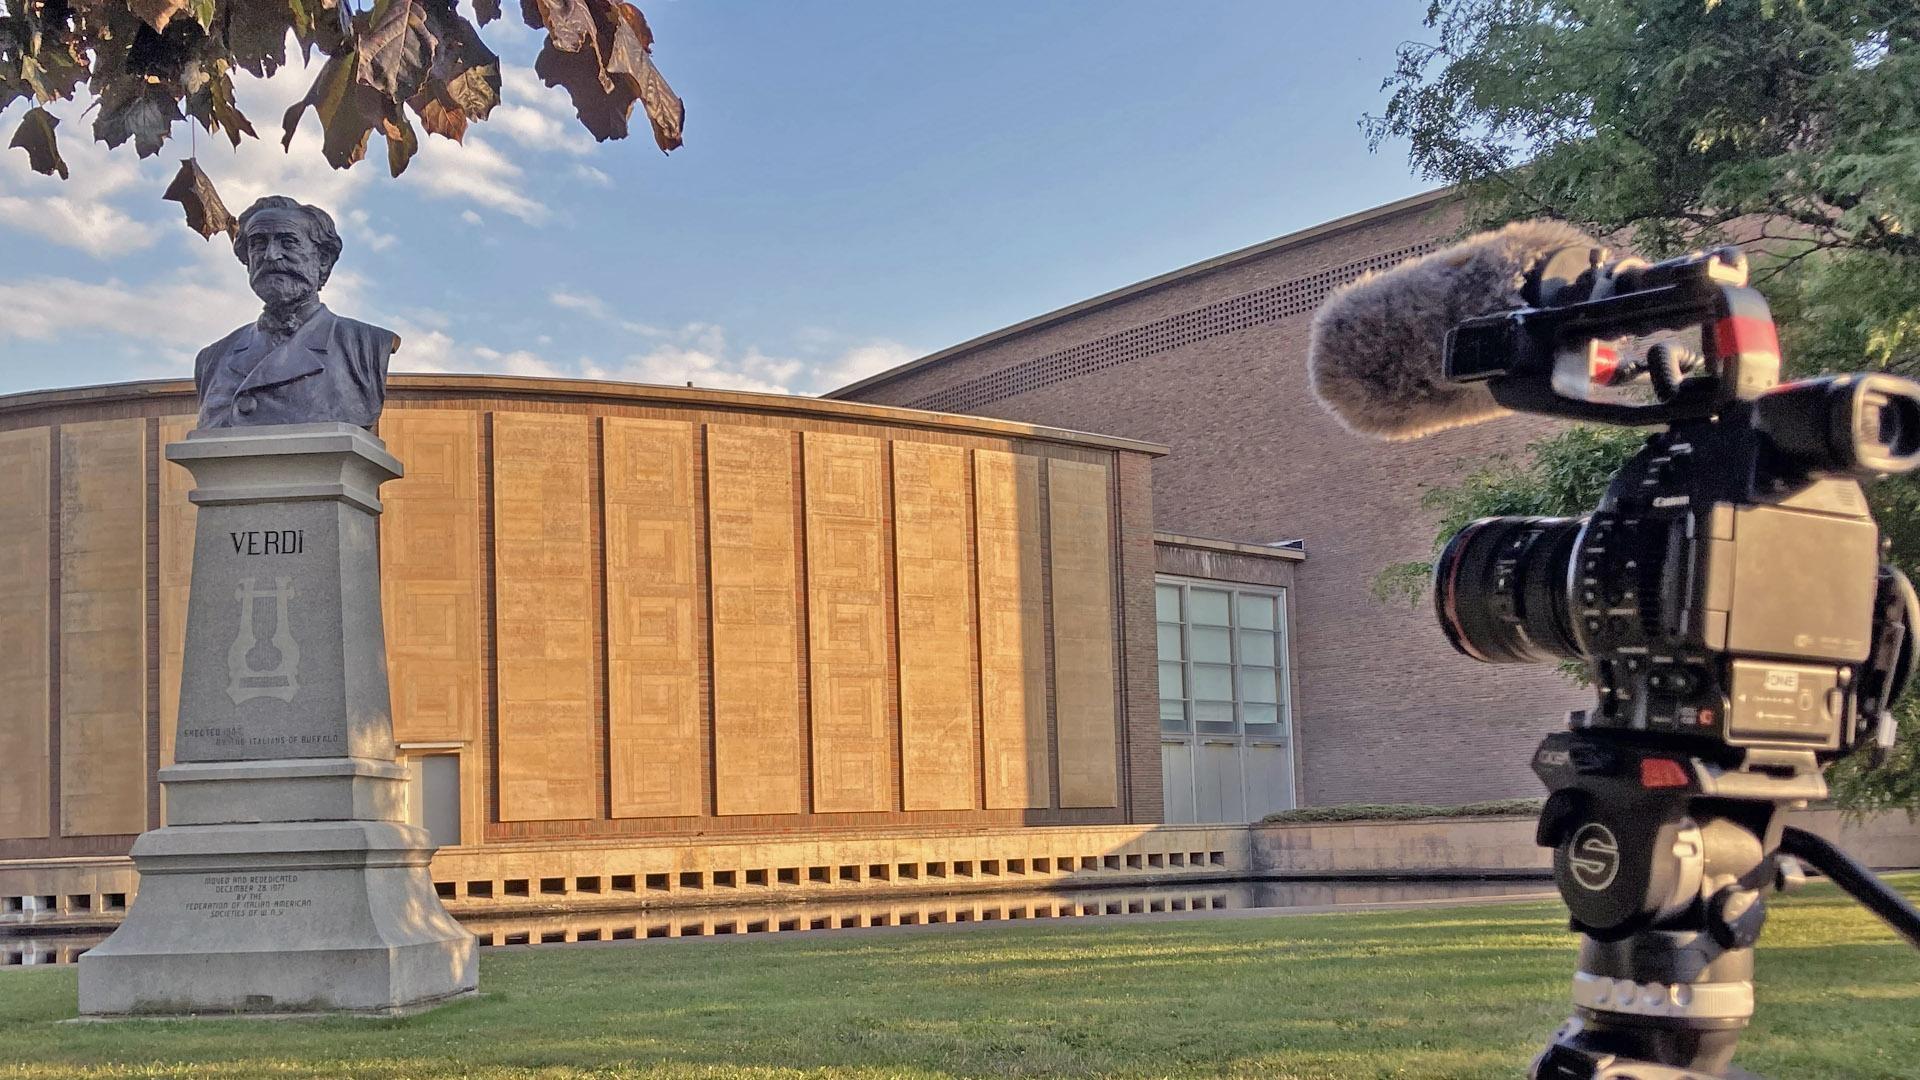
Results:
<point x="1377" y="345"/>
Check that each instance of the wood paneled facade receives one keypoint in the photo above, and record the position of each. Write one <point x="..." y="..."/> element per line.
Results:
<point x="629" y="611"/>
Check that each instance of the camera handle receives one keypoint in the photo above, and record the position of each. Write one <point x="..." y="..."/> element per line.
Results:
<point x="1664" y="864"/>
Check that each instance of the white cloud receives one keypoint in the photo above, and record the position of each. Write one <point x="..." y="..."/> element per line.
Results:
<point x="518" y="362"/>
<point x="183" y="312"/>
<point x="859" y="362"/>
<point x="585" y="302"/>
<point x="589" y="304"/>
<point x="536" y="116"/>
<point x="702" y="357"/>
<point x="472" y="218"/>
<point x="592" y="175"/>
<point x="673" y="365"/>
<point x="80" y="212"/>
<point x="475" y="171"/>
<point x="359" y="226"/>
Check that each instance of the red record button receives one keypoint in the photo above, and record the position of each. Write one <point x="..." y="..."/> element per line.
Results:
<point x="1659" y="772"/>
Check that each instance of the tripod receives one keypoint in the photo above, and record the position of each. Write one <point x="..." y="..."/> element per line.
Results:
<point x="1664" y="863"/>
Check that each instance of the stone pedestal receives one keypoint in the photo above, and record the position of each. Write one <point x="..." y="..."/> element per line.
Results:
<point x="286" y="878"/>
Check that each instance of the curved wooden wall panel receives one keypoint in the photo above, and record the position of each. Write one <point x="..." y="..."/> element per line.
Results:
<point x="756" y="661"/>
<point x="629" y="611"/>
<point x="175" y="580"/>
<point x="655" y="616"/>
<point x="103" y="622"/>
<point x="1081" y="538"/>
<point x="26" y="601"/>
<point x="846" y="624"/>
<point x="544" y="588"/>
<point x="1013" y="644"/>
<point x="430" y="576"/>
<point x="939" y="705"/>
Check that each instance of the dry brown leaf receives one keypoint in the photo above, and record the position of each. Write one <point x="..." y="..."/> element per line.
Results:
<point x="206" y="214"/>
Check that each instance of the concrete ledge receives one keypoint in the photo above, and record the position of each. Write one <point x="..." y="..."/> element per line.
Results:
<point x="677" y="872"/>
<point x="1504" y="847"/>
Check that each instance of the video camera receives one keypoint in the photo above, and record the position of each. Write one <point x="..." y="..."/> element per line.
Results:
<point x="1730" y="603"/>
<point x="1728" y="591"/>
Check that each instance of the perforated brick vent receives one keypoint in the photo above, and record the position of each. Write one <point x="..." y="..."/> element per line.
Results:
<point x="1271" y="304"/>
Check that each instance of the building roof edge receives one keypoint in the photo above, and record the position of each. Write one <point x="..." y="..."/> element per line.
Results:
<point x="429" y="385"/>
<point x="1207" y="266"/>
<point x="1231" y="547"/>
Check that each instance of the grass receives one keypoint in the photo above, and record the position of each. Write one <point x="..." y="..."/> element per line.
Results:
<point x="1456" y="992"/>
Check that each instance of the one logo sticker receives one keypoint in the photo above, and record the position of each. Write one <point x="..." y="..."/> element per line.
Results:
<point x="1594" y="857"/>
<point x="282" y="680"/>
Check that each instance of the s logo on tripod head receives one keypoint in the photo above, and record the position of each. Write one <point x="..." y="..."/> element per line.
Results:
<point x="1593" y="856"/>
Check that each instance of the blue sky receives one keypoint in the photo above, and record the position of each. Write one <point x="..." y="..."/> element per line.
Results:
<point x="863" y="183"/>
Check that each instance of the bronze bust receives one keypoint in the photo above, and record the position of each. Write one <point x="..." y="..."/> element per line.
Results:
<point x="299" y="363"/>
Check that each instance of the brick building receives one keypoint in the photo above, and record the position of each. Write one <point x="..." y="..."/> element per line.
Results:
<point x="1210" y="361"/>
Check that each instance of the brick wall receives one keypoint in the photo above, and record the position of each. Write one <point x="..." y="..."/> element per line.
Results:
<point x="1387" y="711"/>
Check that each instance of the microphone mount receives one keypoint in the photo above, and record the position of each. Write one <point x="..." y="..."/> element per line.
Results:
<point x="1516" y="353"/>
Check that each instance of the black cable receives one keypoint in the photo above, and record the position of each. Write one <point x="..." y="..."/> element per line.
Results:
<point x="1876" y="895"/>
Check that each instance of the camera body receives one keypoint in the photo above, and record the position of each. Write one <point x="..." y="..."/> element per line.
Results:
<point x="1727" y="596"/>
<point x="1710" y="598"/>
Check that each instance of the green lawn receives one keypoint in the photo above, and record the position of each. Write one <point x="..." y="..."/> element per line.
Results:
<point x="1451" y="992"/>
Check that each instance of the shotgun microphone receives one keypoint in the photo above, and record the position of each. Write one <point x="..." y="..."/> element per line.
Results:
<point x="1375" y="356"/>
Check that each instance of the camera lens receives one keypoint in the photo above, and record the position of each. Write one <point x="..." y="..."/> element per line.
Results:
<point x="1500" y="589"/>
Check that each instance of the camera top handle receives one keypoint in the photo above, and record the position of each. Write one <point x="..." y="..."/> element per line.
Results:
<point x="1514" y="351"/>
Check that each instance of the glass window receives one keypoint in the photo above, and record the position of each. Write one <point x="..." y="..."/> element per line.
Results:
<point x="1173" y="715"/>
<point x="1258" y="685"/>
<point x="1256" y="611"/>
<point x="1170" y="641"/>
<point x="1172" y="684"/>
<point x="1213" y="682"/>
<point x="1211" y="644"/>
<point x="1256" y="647"/>
<point x="1261" y="719"/>
<point x="1167" y="599"/>
<point x="1213" y="713"/>
<point x="1207" y="607"/>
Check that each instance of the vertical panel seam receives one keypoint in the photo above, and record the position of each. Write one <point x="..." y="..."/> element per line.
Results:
<point x="1117" y="624"/>
<point x="56" y="618"/>
<point x="803" y="605"/>
<point x="890" y="597"/>
<point x="976" y="629"/>
<point x="1044" y="497"/>
<point x="709" y="713"/>
<point x="602" y="651"/>
<point x="151" y="615"/>
<point x="490" y="629"/>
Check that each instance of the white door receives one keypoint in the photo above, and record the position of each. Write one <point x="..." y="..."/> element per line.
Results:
<point x="1176" y="772"/>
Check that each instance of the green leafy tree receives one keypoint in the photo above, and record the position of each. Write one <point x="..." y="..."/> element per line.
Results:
<point x="149" y="64"/>
<point x="1789" y="125"/>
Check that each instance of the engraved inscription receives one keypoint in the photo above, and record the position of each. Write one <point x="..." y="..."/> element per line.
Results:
<point x="269" y="542"/>
<point x="249" y="896"/>
<point x="251" y="678"/>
